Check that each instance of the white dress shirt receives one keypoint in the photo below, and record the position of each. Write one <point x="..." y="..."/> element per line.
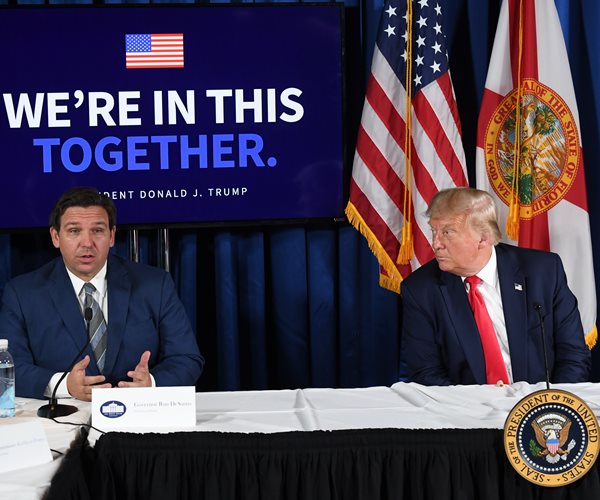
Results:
<point x="100" y="295"/>
<point x="490" y="291"/>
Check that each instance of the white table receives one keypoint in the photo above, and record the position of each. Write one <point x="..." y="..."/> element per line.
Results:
<point x="30" y="483"/>
<point x="404" y="405"/>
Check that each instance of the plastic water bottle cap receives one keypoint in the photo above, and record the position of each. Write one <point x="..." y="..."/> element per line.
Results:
<point x="3" y="343"/>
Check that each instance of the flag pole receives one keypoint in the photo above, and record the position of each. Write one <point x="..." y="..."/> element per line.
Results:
<point x="514" y="211"/>
<point x="406" y="251"/>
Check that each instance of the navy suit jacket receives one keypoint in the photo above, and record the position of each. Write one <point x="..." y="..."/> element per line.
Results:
<point x="41" y="318"/>
<point x="441" y="342"/>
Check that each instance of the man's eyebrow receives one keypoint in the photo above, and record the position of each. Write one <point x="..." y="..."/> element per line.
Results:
<point x="95" y="224"/>
<point x="450" y="225"/>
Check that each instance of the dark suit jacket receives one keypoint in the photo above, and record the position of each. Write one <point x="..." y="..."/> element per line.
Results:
<point x="440" y="338"/>
<point x="42" y="319"/>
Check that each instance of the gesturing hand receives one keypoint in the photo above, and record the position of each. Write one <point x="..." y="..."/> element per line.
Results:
<point x="80" y="385"/>
<point x="141" y="373"/>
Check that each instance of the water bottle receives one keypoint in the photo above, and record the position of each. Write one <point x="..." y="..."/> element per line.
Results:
<point x="7" y="381"/>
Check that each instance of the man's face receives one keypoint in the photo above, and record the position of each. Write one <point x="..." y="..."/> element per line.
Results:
<point x="458" y="248"/>
<point x="84" y="240"/>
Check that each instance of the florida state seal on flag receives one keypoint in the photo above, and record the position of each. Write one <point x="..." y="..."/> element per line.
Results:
<point x="529" y="152"/>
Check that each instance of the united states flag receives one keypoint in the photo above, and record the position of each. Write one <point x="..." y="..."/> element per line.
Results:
<point x="390" y="189"/>
<point x="154" y="50"/>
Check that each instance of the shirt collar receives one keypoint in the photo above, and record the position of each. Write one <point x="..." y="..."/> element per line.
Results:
<point x="99" y="281"/>
<point x="489" y="273"/>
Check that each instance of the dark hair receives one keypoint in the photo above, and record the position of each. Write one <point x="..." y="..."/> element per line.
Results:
<point x="82" y="197"/>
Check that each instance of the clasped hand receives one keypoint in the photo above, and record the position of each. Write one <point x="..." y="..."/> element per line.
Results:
<point x="80" y="385"/>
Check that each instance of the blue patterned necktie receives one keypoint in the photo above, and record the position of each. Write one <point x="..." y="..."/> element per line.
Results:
<point x="97" y="326"/>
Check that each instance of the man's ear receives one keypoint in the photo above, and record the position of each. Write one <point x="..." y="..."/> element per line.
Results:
<point x="55" y="237"/>
<point x="485" y="241"/>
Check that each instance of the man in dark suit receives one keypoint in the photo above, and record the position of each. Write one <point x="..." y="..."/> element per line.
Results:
<point x="144" y="337"/>
<point x="441" y="337"/>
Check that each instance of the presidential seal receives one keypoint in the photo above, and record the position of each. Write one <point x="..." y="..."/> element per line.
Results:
<point x="551" y="438"/>
<point x="550" y="152"/>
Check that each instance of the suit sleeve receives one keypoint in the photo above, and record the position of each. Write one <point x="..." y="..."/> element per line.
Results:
<point x="30" y="380"/>
<point x="422" y="353"/>
<point x="179" y="360"/>
<point x="572" y="357"/>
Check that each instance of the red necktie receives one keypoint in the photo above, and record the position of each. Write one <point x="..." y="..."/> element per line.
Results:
<point x="494" y="364"/>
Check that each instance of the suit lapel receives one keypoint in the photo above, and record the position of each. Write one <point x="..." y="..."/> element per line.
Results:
<point x="119" y="290"/>
<point x="465" y="328"/>
<point x="66" y="305"/>
<point x="513" y="288"/>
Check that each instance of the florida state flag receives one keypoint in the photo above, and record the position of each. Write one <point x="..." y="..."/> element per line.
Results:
<point x="529" y="150"/>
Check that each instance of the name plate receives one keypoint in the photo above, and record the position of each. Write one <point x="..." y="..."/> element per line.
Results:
<point x="144" y="408"/>
<point x="23" y="445"/>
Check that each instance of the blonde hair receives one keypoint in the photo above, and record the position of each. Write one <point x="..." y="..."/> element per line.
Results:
<point x="478" y="206"/>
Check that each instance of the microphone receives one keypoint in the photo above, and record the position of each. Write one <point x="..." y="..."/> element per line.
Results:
<point x="538" y="308"/>
<point x="53" y="409"/>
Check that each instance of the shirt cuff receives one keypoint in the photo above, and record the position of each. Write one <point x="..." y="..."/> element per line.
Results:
<point x="62" y="391"/>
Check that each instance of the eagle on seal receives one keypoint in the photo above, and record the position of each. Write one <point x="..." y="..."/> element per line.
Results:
<point x="552" y="434"/>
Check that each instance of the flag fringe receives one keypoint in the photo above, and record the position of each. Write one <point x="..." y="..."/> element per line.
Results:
<point x="389" y="283"/>
<point x="591" y="337"/>
<point x="512" y="221"/>
<point x="407" y="250"/>
<point x="394" y="278"/>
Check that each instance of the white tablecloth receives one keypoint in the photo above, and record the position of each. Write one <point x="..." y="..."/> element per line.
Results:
<point x="404" y="405"/>
<point x="30" y="483"/>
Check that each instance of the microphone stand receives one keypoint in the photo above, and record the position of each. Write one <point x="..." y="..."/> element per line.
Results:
<point x="53" y="409"/>
<point x="538" y="308"/>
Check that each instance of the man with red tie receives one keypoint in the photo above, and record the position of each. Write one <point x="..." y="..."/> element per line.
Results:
<point x="473" y="314"/>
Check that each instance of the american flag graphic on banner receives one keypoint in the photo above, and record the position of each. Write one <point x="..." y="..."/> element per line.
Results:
<point x="537" y="175"/>
<point x="154" y="50"/>
<point x="402" y="160"/>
